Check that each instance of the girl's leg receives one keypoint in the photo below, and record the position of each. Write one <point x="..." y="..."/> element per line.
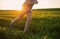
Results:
<point x="29" y="17"/>
<point x="16" y="19"/>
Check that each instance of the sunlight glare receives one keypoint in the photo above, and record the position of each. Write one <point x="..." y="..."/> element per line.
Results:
<point x="11" y="4"/>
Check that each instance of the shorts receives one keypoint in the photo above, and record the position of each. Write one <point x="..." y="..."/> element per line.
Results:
<point x="27" y="7"/>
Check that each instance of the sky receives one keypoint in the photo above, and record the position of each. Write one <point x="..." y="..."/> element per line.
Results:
<point x="17" y="4"/>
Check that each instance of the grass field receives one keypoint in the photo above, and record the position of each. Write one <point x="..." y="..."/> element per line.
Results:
<point x="45" y="24"/>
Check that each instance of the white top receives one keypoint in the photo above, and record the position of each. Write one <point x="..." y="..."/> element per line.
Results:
<point x="31" y="2"/>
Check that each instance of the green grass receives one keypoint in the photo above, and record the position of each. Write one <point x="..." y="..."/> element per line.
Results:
<point x="45" y="24"/>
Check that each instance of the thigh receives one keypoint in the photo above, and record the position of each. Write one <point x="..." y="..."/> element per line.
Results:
<point x="27" y="7"/>
<point x="29" y="15"/>
<point x="21" y="15"/>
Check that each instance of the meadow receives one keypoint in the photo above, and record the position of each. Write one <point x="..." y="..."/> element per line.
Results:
<point x="45" y="24"/>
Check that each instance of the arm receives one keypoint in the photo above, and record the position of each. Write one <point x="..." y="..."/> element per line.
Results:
<point x="31" y="2"/>
<point x="36" y="2"/>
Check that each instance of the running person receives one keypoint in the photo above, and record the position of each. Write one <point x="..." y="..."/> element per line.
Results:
<point x="26" y="9"/>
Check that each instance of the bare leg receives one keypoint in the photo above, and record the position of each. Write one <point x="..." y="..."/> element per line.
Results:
<point x="16" y="19"/>
<point x="28" y="21"/>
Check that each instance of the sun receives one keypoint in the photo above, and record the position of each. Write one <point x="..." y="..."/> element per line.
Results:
<point x="19" y="7"/>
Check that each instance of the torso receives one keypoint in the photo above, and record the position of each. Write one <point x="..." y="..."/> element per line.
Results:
<point x="30" y="2"/>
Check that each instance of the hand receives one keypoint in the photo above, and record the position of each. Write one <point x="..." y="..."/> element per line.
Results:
<point x="36" y="2"/>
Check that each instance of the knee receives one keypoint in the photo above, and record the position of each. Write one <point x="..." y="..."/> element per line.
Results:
<point x="29" y="19"/>
<point x="28" y="11"/>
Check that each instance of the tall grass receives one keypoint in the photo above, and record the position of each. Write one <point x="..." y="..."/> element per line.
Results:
<point x="45" y="24"/>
